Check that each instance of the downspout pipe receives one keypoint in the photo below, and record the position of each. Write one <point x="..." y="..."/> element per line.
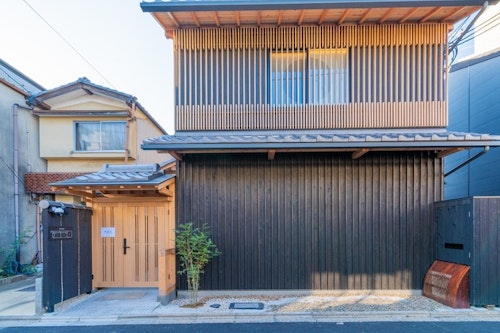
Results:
<point x="481" y="153"/>
<point x="15" y="148"/>
<point x="15" y="117"/>
<point x="127" y="133"/>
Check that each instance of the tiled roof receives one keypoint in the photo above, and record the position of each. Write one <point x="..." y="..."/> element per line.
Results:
<point x="320" y="139"/>
<point x="38" y="182"/>
<point x="84" y="83"/>
<point x="17" y="79"/>
<point x="146" y="174"/>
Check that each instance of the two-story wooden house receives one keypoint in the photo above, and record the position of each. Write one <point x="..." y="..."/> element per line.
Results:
<point x="90" y="136"/>
<point x="310" y="137"/>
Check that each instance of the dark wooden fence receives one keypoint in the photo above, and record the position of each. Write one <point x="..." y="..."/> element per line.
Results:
<point x="67" y="252"/>
<point x="314" y="221"/>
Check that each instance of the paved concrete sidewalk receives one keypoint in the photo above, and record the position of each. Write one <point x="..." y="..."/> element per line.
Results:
<point x="140" y="305"/>
<point x="17" y="299"/>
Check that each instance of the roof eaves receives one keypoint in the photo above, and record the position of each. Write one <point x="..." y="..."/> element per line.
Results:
<point x="14" y="87"/>
<point x="108" y="179"/>
<point x="84" y="83"/>
<point x="23" y="77"/>
<point x="325" y="140"/>
<point x="240" y="5"/>
<point x="321" y="145"/>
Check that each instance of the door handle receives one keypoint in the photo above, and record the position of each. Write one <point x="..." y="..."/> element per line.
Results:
<point x="125" y="247"/>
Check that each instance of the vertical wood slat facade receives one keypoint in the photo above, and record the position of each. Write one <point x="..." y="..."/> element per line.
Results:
<point x="395" y="72"/>
<point x="313" y="221"/>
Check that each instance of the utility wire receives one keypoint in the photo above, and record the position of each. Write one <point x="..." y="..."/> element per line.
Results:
<point x="481" y="31"/>
<point x="69" y="44"/>
<point x="475" y="30"/>
<point x="490" y="24"/>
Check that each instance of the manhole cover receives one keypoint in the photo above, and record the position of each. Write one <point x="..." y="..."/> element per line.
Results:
<point x="246" y="306"/>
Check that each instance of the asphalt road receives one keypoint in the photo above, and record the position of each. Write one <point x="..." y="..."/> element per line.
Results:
<point x="368" y="327"/>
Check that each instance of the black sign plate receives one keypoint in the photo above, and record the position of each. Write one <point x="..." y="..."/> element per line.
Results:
<point x="60" y="233"/>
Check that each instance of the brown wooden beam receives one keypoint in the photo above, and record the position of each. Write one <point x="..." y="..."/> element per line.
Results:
<point x="408" y="15"/>
<point x="386" y="15"/>
<point x="365" y="16"/>
<point x="195" y="19"/>
<point x="175" y="155"/>
<point x="270" y="154"/>
<point x="301" y="17"/>
<point x="444" y="153"/>
<point x="83" y="194"/>
<point x="216" y="18"/>
<point x="428" y="16"/>
<point x="238" y="20"/>
<point x="456" y="12"/>
<point x="174" y="21"/>
<point x="342" y="19"/>
<point x="358" y="153"/>
<point x="166" y="192"/>
<point x="322" y="17"/>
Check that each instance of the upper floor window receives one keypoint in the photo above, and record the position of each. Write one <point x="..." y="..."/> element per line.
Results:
<point x="100" y="135"/>
<point x="314" y="77"/>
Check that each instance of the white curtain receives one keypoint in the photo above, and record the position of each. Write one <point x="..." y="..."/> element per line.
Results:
<point x="328" y="76"/>
<point x="99" y="136"/>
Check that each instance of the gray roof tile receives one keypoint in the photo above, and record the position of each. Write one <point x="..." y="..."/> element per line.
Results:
<point x="147" y="174"/>
<point x="312" y="139"/>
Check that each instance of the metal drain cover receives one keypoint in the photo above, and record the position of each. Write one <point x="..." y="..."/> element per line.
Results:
<point x="246" y="306"/>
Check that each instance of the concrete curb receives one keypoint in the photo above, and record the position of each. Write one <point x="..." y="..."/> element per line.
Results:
<point x="176" y="318"/>
<point x="12" y="279"/>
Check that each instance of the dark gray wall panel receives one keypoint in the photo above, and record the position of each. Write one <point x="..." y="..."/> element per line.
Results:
<point x="313" y="221"/>
<point x="474" y="107"/>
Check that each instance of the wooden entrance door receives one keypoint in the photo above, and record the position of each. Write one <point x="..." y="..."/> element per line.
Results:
<point x="127" y="237"/>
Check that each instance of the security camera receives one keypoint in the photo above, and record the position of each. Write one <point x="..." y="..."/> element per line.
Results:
<point x="59" y="211"/>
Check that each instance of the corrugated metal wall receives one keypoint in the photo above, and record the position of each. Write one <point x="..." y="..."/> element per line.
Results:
<point x="474" y="107"/>
<point x="314" y="221"/>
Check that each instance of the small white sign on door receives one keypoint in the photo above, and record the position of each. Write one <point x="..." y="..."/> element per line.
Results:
<point x="107" y="232"/>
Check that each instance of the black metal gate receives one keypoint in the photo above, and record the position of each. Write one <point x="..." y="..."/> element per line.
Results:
<point x="67" y="255"/>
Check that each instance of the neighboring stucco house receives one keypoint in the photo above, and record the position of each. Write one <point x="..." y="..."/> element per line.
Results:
<point x="19" y="154"/>
<point x="90" y="137"/>
<point x="310" y="137"/>
<point x="84" y="126"/>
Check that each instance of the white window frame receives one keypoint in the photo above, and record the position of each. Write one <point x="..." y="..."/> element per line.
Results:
<point x="93" y="145"/>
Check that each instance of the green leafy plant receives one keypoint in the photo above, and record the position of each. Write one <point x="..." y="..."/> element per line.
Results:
<point x="10" y="265"/>
<point x="195" y="249"/>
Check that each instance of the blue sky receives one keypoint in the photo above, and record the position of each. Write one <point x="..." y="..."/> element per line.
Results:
<point x="117" y="46"/>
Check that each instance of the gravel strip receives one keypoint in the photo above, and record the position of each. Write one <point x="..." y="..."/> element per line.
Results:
<point x="313" y="304"/>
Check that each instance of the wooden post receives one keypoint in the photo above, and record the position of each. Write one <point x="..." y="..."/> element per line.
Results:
<point x="166" y="276"/>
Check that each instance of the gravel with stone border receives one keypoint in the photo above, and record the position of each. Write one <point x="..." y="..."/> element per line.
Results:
<point x="317" y="303"/>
